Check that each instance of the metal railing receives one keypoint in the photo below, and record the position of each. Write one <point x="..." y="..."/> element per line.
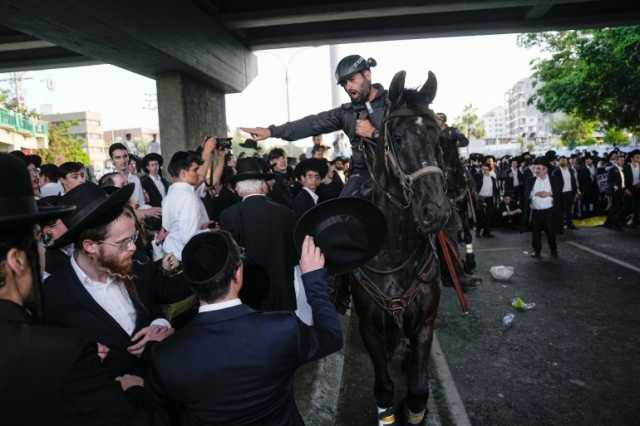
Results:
<point x="20" y="123"/>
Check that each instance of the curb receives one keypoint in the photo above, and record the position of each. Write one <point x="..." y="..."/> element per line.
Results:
<point x="456" y="411"/>
<point x="327" y="382"/>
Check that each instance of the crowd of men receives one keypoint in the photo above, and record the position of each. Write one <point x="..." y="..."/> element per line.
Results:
<point x="183" y="295"/>
<point x="139" y="254"/>
<point x="549" y="192"/>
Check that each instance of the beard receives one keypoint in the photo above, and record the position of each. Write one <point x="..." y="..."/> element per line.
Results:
<point x="120" y="269"/>
<point x="361" y="95"/>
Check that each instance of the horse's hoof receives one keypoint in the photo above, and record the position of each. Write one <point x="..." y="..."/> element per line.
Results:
<point x="387" y="418"/>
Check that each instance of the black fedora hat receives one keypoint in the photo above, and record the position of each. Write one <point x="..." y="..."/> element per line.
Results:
<point x="17" y="203"/>
<point x="314" y="164"/>
<point x="96" y="208"/>
<point x="250" y="144"/>
<point x="541" y="161"/>
<point x="349" y="231"/>
<point x="151" y="157"/>
<point x="250" y="168"/>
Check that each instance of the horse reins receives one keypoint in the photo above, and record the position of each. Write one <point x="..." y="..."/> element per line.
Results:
<point x="407" y="180"/>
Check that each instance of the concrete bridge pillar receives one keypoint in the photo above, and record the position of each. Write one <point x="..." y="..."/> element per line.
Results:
<point x="188" y="110"/>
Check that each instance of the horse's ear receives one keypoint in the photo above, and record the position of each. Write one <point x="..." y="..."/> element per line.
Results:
<point x="397" y="87"/>
<point x="429" y="89"/>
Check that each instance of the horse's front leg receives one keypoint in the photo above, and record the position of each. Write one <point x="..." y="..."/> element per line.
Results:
<point x="374" y="341"/>
<point x="418" y="374"/>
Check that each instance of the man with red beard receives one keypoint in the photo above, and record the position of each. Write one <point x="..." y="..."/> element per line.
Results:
<point x="101" y="291"/>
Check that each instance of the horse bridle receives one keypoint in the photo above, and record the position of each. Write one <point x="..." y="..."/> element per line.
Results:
<point x="407" y="180"/>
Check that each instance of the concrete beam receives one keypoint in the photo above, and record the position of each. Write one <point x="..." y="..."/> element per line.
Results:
<point x="369" y="10"/>
<point x="39" y="59"/>
<point x="145" y="36"/>
<point x="188" y="111"/>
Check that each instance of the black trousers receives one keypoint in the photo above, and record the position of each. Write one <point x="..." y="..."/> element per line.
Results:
<point x="616" y="212"/>
<point x="543" y="220"/>
<point x="486" y="212"/>
<point x="566" y="204"/>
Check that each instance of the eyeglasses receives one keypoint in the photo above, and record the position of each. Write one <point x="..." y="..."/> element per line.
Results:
<point x="123" y="244"/>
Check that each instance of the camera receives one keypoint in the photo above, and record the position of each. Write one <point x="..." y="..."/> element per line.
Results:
<point x="223" y="143"/>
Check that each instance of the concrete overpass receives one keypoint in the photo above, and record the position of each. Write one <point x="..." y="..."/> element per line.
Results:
<point x="198" y="50"/>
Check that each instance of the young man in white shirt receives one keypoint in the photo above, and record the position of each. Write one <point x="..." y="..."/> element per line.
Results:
<point x="183" y="212"/>
<point x="541" y="196"/>
<point x="49" y="185"/>
<point x="72" y="174"/>
<point x="154" y="146"/>
<point x="119" y="155"/>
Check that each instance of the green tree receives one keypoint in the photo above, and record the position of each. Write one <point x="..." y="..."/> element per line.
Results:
<point x="63" y="146"/>
<point x="594" y="74"/>
<point x="573" y="130"/>
<point x="469" y="122"/>
<point x="616" y="137"/>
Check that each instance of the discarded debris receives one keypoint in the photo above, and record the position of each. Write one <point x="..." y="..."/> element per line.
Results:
<point x="507" y="320"/>
<point x="519" y="305"/>
<point x="501" y="272"/>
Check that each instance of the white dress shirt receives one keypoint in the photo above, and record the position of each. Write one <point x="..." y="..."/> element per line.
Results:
<point x="50" y="188"/>
<point x="514" y="173"/>
<point x="313" y="194"/>
<point x="622" y="185"/>
<point x="157" y="181"/>
<point x="635" y="173"/>
<point x="487" y="186"/>
<point x="220" y="305"/>
<point x="183" y="214"/>
<point x="566" y="177"/>
<point x="541" y="203"/>
<point x="154" y="147"/>
<point x="138" y="193"/>
<point x="113" y="297"/>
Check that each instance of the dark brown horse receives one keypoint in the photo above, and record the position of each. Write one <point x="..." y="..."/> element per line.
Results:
<point x="397" y="292"/>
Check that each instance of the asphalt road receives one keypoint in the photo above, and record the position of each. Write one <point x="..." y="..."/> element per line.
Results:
<point x="572" y="360"/>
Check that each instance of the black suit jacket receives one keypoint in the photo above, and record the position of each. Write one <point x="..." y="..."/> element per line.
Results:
<point x="588" y="184"/>
<point x="302" y="203"/>
<point x="52" y="376"/>
<point x="559" y="179"/>
<point x="265" y="230"/>
<point x="155" y="197"/>
<point x="508" y="185"/>
<point x="615" y="180"/>
<point x="282" y="191"/>
<point x="68" y="304"/>
<point x="236" y="366"/>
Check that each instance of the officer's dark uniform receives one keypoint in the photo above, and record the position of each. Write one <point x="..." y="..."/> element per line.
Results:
<point x="341" y="118"/>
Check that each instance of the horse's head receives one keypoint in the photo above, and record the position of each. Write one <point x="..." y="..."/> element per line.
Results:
<point x="413" y="152"/>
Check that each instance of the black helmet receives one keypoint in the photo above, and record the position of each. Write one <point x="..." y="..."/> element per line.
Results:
<point x="352" y="64"/>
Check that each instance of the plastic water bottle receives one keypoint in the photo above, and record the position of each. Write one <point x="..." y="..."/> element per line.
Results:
<point x="507" y="320"/>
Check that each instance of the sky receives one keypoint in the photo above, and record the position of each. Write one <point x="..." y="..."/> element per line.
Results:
<point x="477" y="70"/>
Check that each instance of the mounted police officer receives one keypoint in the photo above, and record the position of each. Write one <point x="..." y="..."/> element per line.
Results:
<point x="360" y="118"/>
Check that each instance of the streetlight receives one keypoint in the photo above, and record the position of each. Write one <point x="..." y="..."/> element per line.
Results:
<point x="286" y="75"/>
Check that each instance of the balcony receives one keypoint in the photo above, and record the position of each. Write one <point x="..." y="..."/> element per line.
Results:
<point x="22" y="124"/>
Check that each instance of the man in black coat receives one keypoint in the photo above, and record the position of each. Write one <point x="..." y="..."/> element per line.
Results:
<point x="232" y="365"/>
<point x="281" y="191"/>
<point x="564" y="177"/>
<point x="48" y="375"/>
<point x="309" y="172"/>
<point x="588" y="185"/>
<point x="488" y="197"/>
<point x="154" y="185"/>
<point x="632" y="180"/>
<point x="265" y="230"/>
<point x="617" y="186"/>
<point x="103" y="291"/>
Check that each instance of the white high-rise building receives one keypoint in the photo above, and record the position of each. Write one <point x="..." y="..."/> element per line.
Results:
<point x="524" y="120"/>
<point x="495" y="125"/>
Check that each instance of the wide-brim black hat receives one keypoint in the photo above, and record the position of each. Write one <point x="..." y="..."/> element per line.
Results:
<point x="349" y="231"/>
<point x="152" y="157"/>
<point x="96" y="208"/>
<point x="317" y="165"/>
<point x="250" y="168"/>
<point x="250" y="144"/>
<point x="17" y="203"/>
<point x="541" y="161"/>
